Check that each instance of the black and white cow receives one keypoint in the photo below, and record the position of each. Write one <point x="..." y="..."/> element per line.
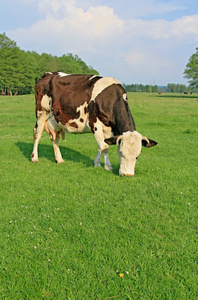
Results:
<point x="84" y="103"/>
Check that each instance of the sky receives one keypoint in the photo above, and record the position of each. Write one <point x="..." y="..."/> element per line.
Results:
<point x="134" y="41"/>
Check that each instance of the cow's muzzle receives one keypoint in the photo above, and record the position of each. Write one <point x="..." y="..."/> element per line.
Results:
<point x="127" y="175"/>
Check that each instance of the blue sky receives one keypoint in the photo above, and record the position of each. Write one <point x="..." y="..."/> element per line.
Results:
<point x="144" y="41"/>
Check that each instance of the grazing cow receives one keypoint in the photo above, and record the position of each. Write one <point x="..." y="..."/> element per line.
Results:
<point x="84" y="103"/>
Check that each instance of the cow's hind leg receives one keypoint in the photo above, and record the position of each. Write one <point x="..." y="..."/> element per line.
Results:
<point x="54" y="131"/>
<point x="38" y="130"/>
<point x="57" y="153"/>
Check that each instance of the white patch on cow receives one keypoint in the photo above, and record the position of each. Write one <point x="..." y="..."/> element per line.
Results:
<point x="107" y="131"/>
<point x="61" y="74"/>
<point x="46" y="103"/>
<point x="101" y="133"/>
<point x="102" y="84"/>
<point x="131" y="145"/>
<point x="125" y="97"/>
<point x="128" y="150"/>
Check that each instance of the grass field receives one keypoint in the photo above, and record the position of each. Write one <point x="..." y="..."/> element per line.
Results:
<point x="72" y="231"/>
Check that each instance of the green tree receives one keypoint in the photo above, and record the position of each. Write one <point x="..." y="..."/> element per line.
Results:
<point x="191" y="71"/>
<point x="69" y="65"/>
<point x="148" y="88"/>
<point x="171" y="88"/>
<point x="10" y="62"/>
<point x="5" y="42"/>
<point x="155" y="89"/>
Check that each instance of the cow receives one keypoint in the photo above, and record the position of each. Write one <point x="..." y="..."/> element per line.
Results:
<point x="86" y="103"/>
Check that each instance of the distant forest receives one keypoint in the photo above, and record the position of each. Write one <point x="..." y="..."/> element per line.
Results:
<point x="170" y="88"/>
<point x="19" y="70"/>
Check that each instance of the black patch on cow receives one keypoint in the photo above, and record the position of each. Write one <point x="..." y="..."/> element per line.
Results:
<point x="86" y="110"/>
<point x="113" y="110"/>
<point x="112" y="140"/>
<point x="93" y="113"/>
<point x="93" y="80"/>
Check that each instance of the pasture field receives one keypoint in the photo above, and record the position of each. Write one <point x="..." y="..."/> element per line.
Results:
<point x="72" y="231"/>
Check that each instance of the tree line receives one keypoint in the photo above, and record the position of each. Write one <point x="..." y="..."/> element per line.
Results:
<point x="141" y="88"/>
<point x="20" y="70"/>
<point x="170" y="88"/>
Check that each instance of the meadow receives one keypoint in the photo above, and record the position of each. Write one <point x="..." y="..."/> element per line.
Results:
<point x="72" y="231"/>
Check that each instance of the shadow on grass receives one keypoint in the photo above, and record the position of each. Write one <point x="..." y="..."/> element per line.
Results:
<point x="47" y="152"/>
<point x="68" y="154"/>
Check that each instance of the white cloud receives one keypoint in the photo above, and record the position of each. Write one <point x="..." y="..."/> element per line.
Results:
<point x="94" y="22"/>
<point x="162" y="29"/>
<point x="187" y="25"/>
<point x="69" y="26"/>
<point x="97" y="22"/>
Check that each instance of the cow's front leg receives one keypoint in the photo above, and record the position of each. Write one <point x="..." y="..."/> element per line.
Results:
<point x="107" y="163"/>
<point x="57" y="153"/>
<point x="97" y="158"/>
<point x="102" y="146"/>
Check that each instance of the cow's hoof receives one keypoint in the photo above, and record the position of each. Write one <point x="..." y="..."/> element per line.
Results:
<point x="60" y="162"/>
<point x="108" y="168"/>
<point x="127" y="175"/>
<point x="34" y="160"/>
<point x="97" y="165"/>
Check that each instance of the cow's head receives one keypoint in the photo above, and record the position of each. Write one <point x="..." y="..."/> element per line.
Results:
<point x="129" y="148"/>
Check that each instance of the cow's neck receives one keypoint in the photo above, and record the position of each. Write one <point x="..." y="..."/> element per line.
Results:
<point x="124" y="119"/>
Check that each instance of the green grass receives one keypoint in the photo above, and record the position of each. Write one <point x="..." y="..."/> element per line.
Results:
<point x="68" y="231"/>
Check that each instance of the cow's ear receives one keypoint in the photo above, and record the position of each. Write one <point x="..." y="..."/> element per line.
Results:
<point x="112" y="140"/>
<point x="150" y="144"/>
